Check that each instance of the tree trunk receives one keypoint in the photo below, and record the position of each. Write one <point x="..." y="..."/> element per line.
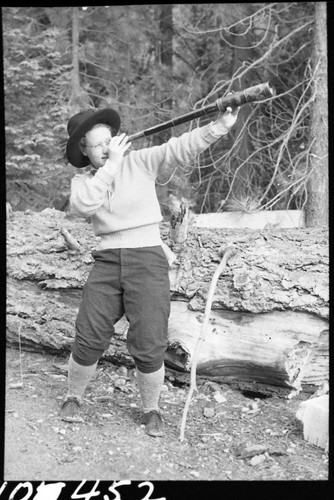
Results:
<point x="75" y="51"/>
<point x="78" y="96"/>
<point x="269" y="320"/>
<point x="242" y="54"/>
<point x="317" y="189"/>
<point x="164" y="62"/>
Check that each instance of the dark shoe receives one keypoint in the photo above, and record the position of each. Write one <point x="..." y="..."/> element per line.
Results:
<point x="153" y="423"/>
<point x="70" y="411"/>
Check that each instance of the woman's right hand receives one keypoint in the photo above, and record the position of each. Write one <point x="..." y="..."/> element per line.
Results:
<point x="116" y="149"/>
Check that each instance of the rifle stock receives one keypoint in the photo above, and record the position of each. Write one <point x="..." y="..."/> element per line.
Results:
<point x="256" y="93"/>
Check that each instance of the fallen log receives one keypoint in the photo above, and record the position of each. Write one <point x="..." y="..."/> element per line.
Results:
<point x="239" y="346"/>
<point x="281" y="348"/>
<point x="269" y="320"/>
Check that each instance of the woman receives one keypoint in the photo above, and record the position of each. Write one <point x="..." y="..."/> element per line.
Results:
<point x="130" y="272"/>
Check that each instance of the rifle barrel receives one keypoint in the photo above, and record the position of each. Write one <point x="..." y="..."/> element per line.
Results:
<point x="258" y="92"/>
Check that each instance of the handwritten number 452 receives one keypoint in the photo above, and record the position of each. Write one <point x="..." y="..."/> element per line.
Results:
<point x="112" y="489"/>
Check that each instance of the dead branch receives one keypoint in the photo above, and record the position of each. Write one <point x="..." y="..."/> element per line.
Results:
<point x="225" y="255"/>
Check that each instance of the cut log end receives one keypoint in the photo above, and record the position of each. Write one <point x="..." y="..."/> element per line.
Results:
<point x="296" y="363"/>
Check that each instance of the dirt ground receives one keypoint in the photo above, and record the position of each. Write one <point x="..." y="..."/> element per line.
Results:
<point x="228" y="436"/>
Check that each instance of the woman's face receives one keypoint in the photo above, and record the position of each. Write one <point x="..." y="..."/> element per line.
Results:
<point x="96" y="145"/>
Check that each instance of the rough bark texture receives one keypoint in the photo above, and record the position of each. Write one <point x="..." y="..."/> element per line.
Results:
<point x="269" y="321"/>
<point x="317" y="211"/>
<point x="272" y="270"/>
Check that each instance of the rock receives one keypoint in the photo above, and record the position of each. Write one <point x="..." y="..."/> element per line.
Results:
<point x="209" y="412"/>
<point x="194" y="473"/>
<point x="106" y="415"/>
<point x="17" y="385"/>
<point x="314" y="413"/>
<point x="122" y="371"/>
<point x="253" y="406"/>
<point x="219" y="397"/>
<point x="257" y="460"/>
<point x="120" y="383"/>
<point x="252" y="450"/>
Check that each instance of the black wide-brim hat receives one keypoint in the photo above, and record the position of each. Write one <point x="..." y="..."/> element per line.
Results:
<point x="81" y="123"/>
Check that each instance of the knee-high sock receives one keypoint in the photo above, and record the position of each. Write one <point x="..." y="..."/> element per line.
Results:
<point x="78" y="378"/>
<point x="149" y="385"/>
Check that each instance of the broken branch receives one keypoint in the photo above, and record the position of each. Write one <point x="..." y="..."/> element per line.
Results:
<point x="71" y="242"/>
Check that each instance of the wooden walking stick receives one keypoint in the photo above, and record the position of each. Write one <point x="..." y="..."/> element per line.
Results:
<point x="224" y="256"/>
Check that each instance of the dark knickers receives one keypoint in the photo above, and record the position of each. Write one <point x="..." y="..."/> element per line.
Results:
<point x="133" y="281"/>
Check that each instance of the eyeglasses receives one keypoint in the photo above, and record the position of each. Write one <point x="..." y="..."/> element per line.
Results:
<point x="100" y="144"/>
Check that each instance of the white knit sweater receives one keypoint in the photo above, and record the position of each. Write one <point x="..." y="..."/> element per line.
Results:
<point x="124" y="209"/>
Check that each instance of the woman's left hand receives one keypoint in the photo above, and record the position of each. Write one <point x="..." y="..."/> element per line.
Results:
<point x="228" y="118"/>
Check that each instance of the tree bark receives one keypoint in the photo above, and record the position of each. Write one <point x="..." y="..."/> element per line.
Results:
<point x="269" y="319"/>
<point x="242" y="52"/>
<point x="78" y="96"/>
<point x="316" y="213"/>
<point x="164" y="61"/>
<point x="75" y="51"/>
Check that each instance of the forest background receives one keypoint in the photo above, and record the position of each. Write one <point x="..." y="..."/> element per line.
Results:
<point x="156" y="62"/>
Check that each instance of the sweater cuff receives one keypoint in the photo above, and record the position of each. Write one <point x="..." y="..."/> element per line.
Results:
<point x="210" y="133"/>
<point x="217" y="130"/>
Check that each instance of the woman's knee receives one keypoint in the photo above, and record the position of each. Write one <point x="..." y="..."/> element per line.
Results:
<point x="85" y="355"/>
<point x="148" y="366"/>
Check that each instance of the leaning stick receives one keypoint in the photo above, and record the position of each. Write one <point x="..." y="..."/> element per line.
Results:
<point x="224" y="256"/>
